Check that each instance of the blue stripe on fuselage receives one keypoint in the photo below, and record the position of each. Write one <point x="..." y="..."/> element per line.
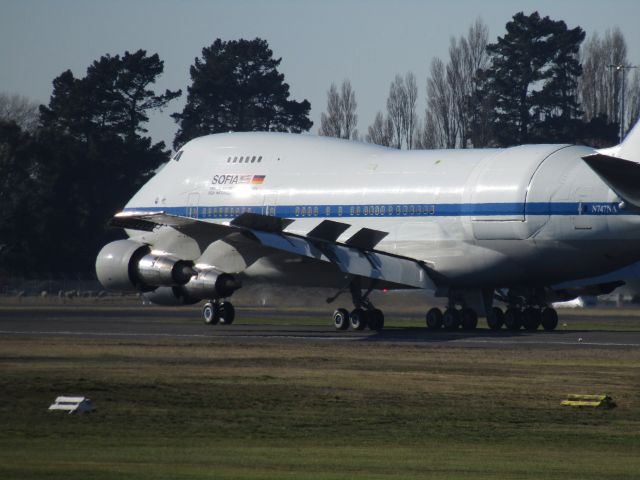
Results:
<point x="397" y="210"/>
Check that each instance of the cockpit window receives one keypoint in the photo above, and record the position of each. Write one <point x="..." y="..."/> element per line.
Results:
<point x="177" y="156"/>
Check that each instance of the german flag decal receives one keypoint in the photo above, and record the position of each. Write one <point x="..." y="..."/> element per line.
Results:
<point x="257" y="179"/>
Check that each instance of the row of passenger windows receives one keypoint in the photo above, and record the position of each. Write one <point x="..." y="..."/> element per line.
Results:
<point x="368" y="210"/>
<point x="215" y="212"/>
<point x="314" y="211"/>
<point x="249" y="159"/>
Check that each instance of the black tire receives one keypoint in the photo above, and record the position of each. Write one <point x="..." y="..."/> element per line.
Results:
<point x="341" y="319"/>
<point x="495" y="319"/>
<point x="376" y="319"/>
<point x="531" y="318"/>
<point x="513" y="318"/>
<point x="451" y="319"/>
<point x="549" y="319"/>
<point x="468" y="319"/>
<point x="358" y="319"/>
<point x="210" y="313"/>
<point x="434" y="319"/>
<point x="227" y="313"/>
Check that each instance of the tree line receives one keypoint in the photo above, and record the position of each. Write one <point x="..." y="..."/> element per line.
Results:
<point x="538" y="83"/>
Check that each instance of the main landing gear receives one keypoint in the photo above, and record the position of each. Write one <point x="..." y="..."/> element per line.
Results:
<point x="217" y="311"/>
<point x="364" y="315"/>
<point x="513" y="318"/>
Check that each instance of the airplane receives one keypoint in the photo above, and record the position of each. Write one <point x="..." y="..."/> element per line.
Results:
<point x="523" y="226"/>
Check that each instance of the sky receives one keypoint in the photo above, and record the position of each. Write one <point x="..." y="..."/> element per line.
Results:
<point x="320" y="42"/>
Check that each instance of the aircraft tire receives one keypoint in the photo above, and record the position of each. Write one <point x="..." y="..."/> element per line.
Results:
<point x="210" y="313"/>
<point x="513" y="318"/>
<point x="227" y="313"/>
<point x="434" y="319"/>
<point x="531" y="318"/>
<point x="451" y="319"/>
<point x="495" y="319"/>
<point x="376" y="319"/>
<point x="549" y="319"/>
<point x="468" y="319"/>
<point x="341" y="319"/>
<point x="358" y="319"/>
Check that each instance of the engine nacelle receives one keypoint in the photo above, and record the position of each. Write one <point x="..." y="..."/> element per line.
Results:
<point x="211" y="284"/>
<point x="125" y="266"/>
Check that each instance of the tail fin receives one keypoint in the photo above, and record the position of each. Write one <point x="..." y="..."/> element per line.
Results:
<point x="629" y="148"/>
<point x="619" y="166"/>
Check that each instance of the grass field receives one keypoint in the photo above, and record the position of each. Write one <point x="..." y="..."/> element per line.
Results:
<point x="180" y="410"/>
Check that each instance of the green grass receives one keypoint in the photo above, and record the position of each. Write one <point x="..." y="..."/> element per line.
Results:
<point x="180" y="410"/>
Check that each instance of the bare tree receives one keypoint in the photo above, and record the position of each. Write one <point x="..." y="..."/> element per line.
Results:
<point x="600" y="84"/>
<point x="454" y="112"/>
<point x="410" y="117"/>
<point x="349" y="105"/>
<point x="401" y="110"/>
<point x="441" y="109"/>
<point x="341" y="119"/>
<point x="395" y="109"/>
<point x="381" y="131"/>
<point x="633" y="108"/>
<point x="20" y="110"/>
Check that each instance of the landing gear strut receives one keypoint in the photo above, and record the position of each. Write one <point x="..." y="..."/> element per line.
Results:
<point x="216" y="311"/>
<point x="363" y="315"/>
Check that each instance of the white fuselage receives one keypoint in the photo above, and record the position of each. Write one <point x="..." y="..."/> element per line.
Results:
<point x="529" y="215"/>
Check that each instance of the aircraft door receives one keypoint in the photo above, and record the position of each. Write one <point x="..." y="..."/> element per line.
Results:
<point x="581" y="221"/>
<point x="192" y="205"/>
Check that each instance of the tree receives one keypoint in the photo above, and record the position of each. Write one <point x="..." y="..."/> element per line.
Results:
<point x="19" y="109"/>
<point x="533" y="80"/>
<point x="236" y="86"/>
<point x="456" y="113"/>
<point x="401" y="109"/>
<point x="341" y="119"/>
<point x="80" y="166"/>
<point x="114" y="97"/>
<point x="381" y="131"/>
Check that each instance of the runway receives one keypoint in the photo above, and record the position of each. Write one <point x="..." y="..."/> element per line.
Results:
<point x="254" y="325"/>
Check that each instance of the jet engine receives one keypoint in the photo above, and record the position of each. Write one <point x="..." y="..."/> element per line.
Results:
<point x="125" y="265"/>
<point x="208" y="284"/>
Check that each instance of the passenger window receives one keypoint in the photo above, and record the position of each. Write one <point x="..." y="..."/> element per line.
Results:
<point x="235" y="159"/>
<point x="357" y="211"/>
<point x="382" y="210"/>
<point x="412" y="210"/>
<point x="297" y="211"/>
<point x="351" y="211"/>
<point x="339" y="211"/>
<point x="309" y="211"/>
<point x="259" y="159"/>
<point x="327" y="211"/>
<point x="315" y="211"/>
<point x="365" y="210"/>
<point x="397" y="209"/>
<point x="404" y="210"/>
<point x="433" y="209"/>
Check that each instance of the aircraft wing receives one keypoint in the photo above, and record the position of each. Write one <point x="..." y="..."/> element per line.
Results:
<point x="356" y="257"/>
